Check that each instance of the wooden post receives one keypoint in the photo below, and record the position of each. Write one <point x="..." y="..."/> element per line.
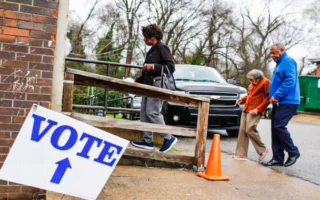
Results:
<point x="68" y="92"/>
<point x="201" y="137"/>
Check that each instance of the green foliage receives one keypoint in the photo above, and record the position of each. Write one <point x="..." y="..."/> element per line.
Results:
<point x="196" y="58"/>
<point x="107" y="52"/>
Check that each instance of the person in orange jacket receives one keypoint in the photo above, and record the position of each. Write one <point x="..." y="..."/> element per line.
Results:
<point x="255" y="104"/>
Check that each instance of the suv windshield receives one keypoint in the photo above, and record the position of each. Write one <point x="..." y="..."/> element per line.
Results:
<point x="197" y="73"/>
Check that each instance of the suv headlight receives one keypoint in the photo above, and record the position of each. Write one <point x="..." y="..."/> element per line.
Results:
<point x="242" y="95"/>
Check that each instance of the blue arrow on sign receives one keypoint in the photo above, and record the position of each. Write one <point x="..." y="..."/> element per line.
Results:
<point x="63" y="165"/>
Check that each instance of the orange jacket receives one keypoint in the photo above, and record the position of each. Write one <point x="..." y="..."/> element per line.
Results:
<point x="258" y="96"/>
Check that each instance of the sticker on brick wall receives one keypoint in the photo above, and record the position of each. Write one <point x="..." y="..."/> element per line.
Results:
<point x="61" y="154"/>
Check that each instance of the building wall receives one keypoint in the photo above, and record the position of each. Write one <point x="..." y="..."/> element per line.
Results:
<point x="27" y="42"/>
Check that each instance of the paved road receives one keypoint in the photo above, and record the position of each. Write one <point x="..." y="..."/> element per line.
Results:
<point x="305" y="136"/>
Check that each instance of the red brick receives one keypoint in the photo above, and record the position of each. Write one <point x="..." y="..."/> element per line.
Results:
<point x="20" y="196"/>
<point x="29" y="189"/>
<point x="29" y="2"/>
<point x="10" y="127"/>
<point x="45" y="82"/>
<point x="15" y="48"/>
<point x="50" y="29"/>
<point x="15" y="31"/>
<point x="7" y="55"/>
<point x="40" y="35"/>
<point x="3" y="158"/>
<point x="6" y="87"/>
<point x="4" y="150"/>
<point x="14" y="135"/>
<point x="21" y="73"/>
<point x="1" y="13"/>
<point x="18" y="120"/>
<point x="29" y="57"/>
<point x="5" y="103"/>
<point x="6" y="142"/>
<point x="42" y="51"/>
<point x="11" y="111"/>
<point x="46" y="90"/>
<point x="12" y="95"/>
<point x="9" y="6"/>
<point x="14" y="64"/>
<point x="36" y="10"/>
<point x="54" y="37"/>
<point x="4" y="135"/>
<point x="30" y="25"/>
<point x="34" y="89"/>
<point x="8" y="22"/>
<point x="7" y="39"/>
<point x="38" y="97"/>
<point x="40" y="66"/>
<point x="44" y="20"/>
<point x="46" y="4"/>
<point x="12" y="183"/>
<point x="47" y="75"/>
<point x="5" y="119"/>
<point x="17" y="15"/>
<point x="9" y="189"/>
<point x="49" y="44"/>
<point x="24" y="104"/>
<point x="48" y="59"/>
<point x="2" y="182"/>
<point x="3" y="196"/>
<point x="29" y="41"/>
<point x="46" y="104"/>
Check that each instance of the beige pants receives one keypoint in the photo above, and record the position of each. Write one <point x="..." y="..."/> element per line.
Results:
<point x="248" y="130"/>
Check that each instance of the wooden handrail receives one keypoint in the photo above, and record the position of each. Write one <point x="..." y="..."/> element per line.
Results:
<point x="91" y="79"/>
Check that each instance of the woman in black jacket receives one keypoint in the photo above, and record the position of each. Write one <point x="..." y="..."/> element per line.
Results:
<point x="157" y="57"/>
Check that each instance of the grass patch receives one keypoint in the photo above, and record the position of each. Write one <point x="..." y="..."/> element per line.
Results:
<point x="118" y="116"/>
<point x="174" y="149"/>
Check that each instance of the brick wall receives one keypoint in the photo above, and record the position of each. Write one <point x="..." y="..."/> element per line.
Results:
<point x="27" y="34"/>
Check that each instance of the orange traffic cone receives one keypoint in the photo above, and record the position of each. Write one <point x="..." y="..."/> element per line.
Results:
<point x="213" y="170"/>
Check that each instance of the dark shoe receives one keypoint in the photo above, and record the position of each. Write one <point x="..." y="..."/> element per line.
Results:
<point x="291" y="160"/>
<point x="272" y="162"/>
<point x="143" y="144"/>
<point x="168" y="144"/>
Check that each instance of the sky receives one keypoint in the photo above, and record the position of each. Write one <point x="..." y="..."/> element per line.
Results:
<point x="81" y="8"/>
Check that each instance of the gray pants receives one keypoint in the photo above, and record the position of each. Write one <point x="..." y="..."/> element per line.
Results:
<point x="151" y="113"/>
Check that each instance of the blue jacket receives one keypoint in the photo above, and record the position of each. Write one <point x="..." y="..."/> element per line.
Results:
<point x="284" y="84"/>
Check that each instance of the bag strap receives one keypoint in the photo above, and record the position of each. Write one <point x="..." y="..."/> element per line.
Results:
<point x="170" y="74"/>
<point x="162" y="74"/>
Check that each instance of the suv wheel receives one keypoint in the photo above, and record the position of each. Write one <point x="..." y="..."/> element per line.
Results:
<point x="267" y="113"/>
<point x="233" y="133"/>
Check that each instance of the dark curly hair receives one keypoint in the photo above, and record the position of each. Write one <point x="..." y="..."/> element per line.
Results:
<point x="152" y="30"/>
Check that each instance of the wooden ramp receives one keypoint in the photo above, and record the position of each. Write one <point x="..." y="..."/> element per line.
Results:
<point x="104" y="122"/>
<point x="154" y="158"/>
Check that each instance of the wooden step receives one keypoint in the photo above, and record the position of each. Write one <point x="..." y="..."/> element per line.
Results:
<point x="154" y="158"/>
<point x="104" y="122"/>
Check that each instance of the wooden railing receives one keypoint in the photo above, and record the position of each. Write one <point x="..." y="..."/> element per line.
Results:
<point x="78" y="77"/>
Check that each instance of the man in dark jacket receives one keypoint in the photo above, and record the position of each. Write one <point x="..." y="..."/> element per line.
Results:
<point x="157" y="57"/>
<point x="285" y="97"/>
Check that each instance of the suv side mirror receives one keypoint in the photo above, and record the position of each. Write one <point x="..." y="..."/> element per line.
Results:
<point x="231" y="81"/>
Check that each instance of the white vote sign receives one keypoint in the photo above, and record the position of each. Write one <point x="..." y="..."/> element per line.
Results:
<point x="61" y="154"/>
